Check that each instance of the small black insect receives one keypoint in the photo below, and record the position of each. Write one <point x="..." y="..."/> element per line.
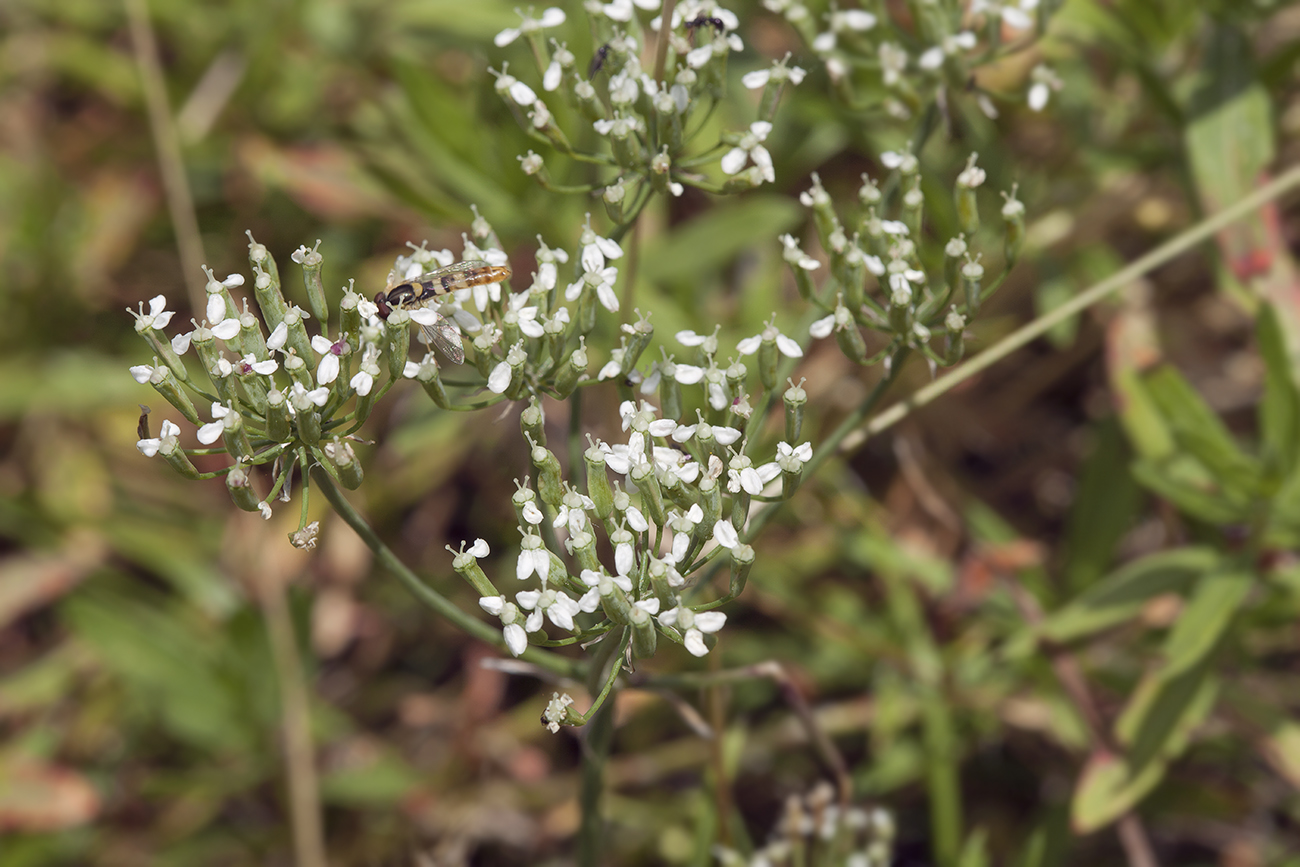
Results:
<point x="598" y="62"/>
<point x="142" y="426"/>
<point x="706" y="21"/>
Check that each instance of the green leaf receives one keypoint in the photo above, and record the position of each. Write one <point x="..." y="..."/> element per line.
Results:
<point x="1199" y="431"/>
<point x="1106" y="791"/>
<point x="1187" y="485"/>
<point x="976" y="851"/>
<point x="1122" y="594"/>
<point x="1202" y="623"/>
<point x="1279" y="410"/>
<point x="1157" y="723"/>
<point x="1103" y="510"/>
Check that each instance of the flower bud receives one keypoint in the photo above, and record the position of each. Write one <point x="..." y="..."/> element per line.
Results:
<point x="851" y="343"/>
<point x="549" y="484"/>
<point x="170" y="449"/>
<point x="823" y="209"/>
<point x="589" y="101"/>
<point x="241" y="490"/>
<point x="795" y="399"/>
<point x="349" y="315"/>
<point x="532" y="421"/>
<point x="652" y="500"/>
<point x="466" y="564"/>
<point x="311" y="262"/>
<point x="427" y="376"/>
<point x="639" y="333"/>
<point x="1013" y="220"/>
<point x="397" y="341"/>
<point x="598" y="488"/>
<point x="614" y="601"/>
<point x="613" y="196"/>
<point x="277" y="417"/>
<point x="306" y="416"/>
<point x="164" y="382"/>
<point x="266" y="284"/>
<point x="572" y="371"/>
<point x="972" y="273"/>
<point x="582" y="545"/>
<point x="968" y="215"/>
<point x="676" y="492"/>
<point x="742" y="560"/>
<point x="345" y="463"/>
<point x="643" y="633"/>
<point x="954" y="343"/>
<point x="744" y="180"/>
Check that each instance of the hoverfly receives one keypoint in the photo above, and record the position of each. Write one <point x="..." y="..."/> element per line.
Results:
<point x="420" y="292"/>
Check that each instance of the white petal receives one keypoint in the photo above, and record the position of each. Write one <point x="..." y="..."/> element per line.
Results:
<point x="181" y="343"/>
<point x="522" y="94"/>
<point x="750" y="345"/>
<point x="560" y="616"/>
<point x="149" y="447"/>
<point x="278" y="337"/>
<point x="141" y="372"/>
<point x="694" y="642"/>
<point x="636" y="520"/>
<point x="534" y="621"/>
<point x="532" y="514"/>
<point x="931" y="58"/>
<point x="266" y="368"/>
<point x="649" y="606"/>
<point x="788" y="347"/>
<point x="710" y="621"/>
<point x="690" y="338"/>
<point x="216" y="311"/>
<point x="527" y="599"/>
<point x="697" y="57"/>
<point x="590" y="600"/>
<point x="669" y="617"/>
<point x="624" y="558"/>
<point x="725" y="534"/>
<point x="362" y="382"/>
<point x="823" y="327"/>
<point x="552" y="77"/>
<point x="605" y="293"/>
<point x="733" y="161"/>
<point x="824" y="41"/>
<point x="552" y="17"/>
<point x="756" y="79"/>
<point x="502" y="39"/>
<point x="321" y="344"/>
<point x="750" y="481"/>
<point x="492" y="604"/>
<point x="1038" y="95"/>
<point x="726" y="435"/>
<point x="516" y="638"/>
<point x="479" y="549"/>
<point x="857" y="19"/>
<point x="499" y="379"/>
<point x="226" y="329"/>
<point x="688" y="374"/>
<point x="524" y="565"/>
<point x="660" y="427"/>
<point x="169" y="429"/>
<point x="210" y="432"/>
<point x="328" y="370"/>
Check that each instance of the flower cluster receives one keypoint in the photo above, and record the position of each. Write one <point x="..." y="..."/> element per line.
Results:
<point x="879" y="281"/>
<point x="682" y="493"/>
<point x="643" y="115"/>
<point x="277" y="395"/>
<point x="815" y="831"/>
<point x="864" y="51"/>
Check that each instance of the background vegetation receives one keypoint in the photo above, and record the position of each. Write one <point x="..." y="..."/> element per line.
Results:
<point x="939" y="596"/>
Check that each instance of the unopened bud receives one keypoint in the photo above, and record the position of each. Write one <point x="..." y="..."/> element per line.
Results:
<point x="241" y="490"/>
<point x="742" y="560"/>
<point x="345" y="463"/>
<point x="795" y="399"/>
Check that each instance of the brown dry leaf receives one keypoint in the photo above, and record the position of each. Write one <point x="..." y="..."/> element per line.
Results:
<point x="36" y="796"/>
<point x="28" y="581"/>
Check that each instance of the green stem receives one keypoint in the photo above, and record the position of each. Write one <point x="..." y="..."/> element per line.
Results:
<point x="426" y="594"/>
<point x="599" y="738"/>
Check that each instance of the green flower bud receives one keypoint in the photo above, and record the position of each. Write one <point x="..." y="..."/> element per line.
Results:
<point x="968" y="215"/>
<point x="549" y="484"/>
<point x="972" y="273"/>
<point x="170" y="449"/>
<point x="241" y="490"/>
<point x="1013" y="220"/>
<point x="532" y="421"/>
<point x="307" y="417"/>
<point x="850" y="341"/>
<point x="795" y="399"/>
<point x="266" y="284"/>
<point x="742" y="560"/>
<point x="643" y="633"/>
<point x="652" y="500"/>
<point x="164" y="382"/>
<point x="598" y="488"/>
<point x="582" y="545"/>
<point x="954" y="344"/>
<point x="572" y="371"/>
<point x="613" y="600"/>
<point x="311" y="262"/>
<point x="349" y="315"/>
<point x="397" y="337"/>
<point x="466" y="564"/>
<point x="639" y="333"/>
<point x="278" y="428"/>
<point x="824" y="217"/>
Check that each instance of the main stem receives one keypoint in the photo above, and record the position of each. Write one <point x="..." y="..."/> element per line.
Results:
<point x="599" y="737"/>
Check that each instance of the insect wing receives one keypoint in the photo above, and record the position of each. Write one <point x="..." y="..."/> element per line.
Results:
<point x="442" y="334"/>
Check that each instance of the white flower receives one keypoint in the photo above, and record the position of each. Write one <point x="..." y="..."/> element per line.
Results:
<point x="683" y="525"/>
<point x="157" y="317"/>
<point x="905" y="161"/>
<point x="533" y="557"/>
<point x="843" y="21"/>
<point x="507" y="84"/>
<point x="556" y="711"/>
<point x="211" y="432"/>
<point x="751" y="146"/>
<point x="777" y="72"/>
<point x="514" y="631"/>
<point x="788" y="347"/>
<point x="693" y="626"/>
<point x="893" y="63"/>
<point x="150" y="446"/>
<point x="328" y="370"/>
<point x="552" y="17"/>
<point x="500" y="377"/>
<point x="1014" y="13"/>
<point x="596" y="249"/>
<point x="1044" y="82"/>
<point x="558" y="607"/>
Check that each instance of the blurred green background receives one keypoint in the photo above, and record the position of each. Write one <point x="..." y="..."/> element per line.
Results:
<point x="141" y="691"/>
